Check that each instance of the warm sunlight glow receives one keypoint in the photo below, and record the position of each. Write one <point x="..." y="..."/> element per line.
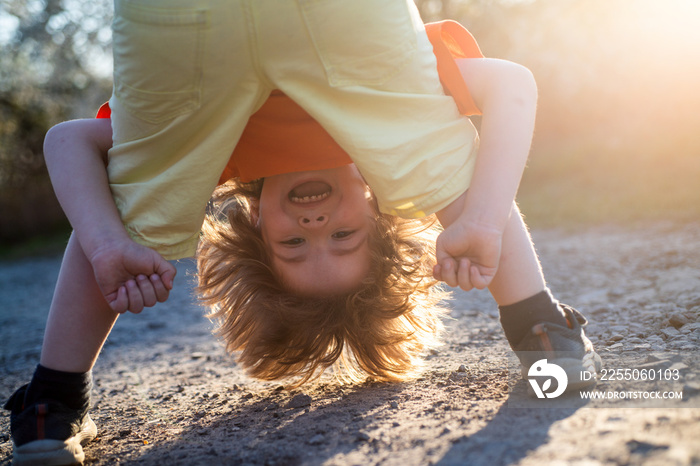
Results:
<point x="666" y="28"/>
<point x="619" y="99"/>
<point x="633" y="64"/>
<point x="658" y="50"/>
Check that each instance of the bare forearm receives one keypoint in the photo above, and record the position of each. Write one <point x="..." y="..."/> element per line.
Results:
<point x="507" y="95"/>
<point x="129" y="276"/>
<point x="75" y="153"/>
<point x="502" y="156"/>
<point x="469" y="249"/>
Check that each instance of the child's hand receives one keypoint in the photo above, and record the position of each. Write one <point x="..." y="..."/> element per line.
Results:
<point x="131" y="276"/>
<point x="468" y="255"/>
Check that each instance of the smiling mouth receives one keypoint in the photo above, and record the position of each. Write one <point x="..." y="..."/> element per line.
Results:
<point x="311" y="191"/>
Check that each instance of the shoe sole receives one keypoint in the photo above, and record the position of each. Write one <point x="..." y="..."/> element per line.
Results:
<point x="48" y="452"/>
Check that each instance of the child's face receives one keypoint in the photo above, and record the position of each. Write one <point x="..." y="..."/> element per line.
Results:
<point x="317" y="226"/>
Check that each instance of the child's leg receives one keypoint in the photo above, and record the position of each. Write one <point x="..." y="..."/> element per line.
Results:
<point x="49" y="419"/>
<point x="519" y="272"/>
<point x="79" y="321"/>
<point x="537" y="325"/>
<point x="79" y="318"/>
<point x="519" y="286"/>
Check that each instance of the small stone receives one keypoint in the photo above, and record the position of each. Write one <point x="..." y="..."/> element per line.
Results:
<point x="316" y="439"/>
<point x="656" y="357"/>
<point x="615" y="346"/>
<point x="681" y="344"/>
<point x="678" y="366"/>
<point x="678" y="320"/>
<point x="362" y="437"/>
<point x="198" y="355"/>
<point x="394" y="405"/>
<point x="299" y="401"/>
<point x="462" y="368"/>
<point x="670" y="332"/>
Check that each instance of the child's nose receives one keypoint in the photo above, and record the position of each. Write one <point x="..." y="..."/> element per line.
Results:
<point x="313" y="221"/>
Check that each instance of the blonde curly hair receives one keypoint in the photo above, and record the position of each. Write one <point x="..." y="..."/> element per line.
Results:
<point x="378" y="330"/>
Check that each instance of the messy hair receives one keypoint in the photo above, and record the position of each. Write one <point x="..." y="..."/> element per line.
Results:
<point x="378" y="330"/>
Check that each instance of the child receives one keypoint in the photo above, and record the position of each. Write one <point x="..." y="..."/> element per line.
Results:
<point x="244" y="245"/>
<point x="325" y="216"/>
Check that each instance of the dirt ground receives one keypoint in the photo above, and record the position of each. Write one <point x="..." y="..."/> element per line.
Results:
<point x="166" y="393"/>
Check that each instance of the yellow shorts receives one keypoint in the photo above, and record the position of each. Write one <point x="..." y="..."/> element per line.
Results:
<point x="189" y="73"/>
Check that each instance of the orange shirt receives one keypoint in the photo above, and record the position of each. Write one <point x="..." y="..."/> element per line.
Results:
<point x="282" y="138"/>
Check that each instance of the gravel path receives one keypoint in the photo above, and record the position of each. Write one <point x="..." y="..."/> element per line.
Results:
<point x="166" y="393"/>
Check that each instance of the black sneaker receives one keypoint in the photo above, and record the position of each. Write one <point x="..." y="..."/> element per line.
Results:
<point x="567" y="347"/>
<point x="47" y="432"/>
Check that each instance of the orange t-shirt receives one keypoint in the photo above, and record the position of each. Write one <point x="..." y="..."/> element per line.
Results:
<point x="282" y="138"/>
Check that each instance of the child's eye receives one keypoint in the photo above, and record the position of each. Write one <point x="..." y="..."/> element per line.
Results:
<point x="293" y="241"/>
<point x="342" y="234"/>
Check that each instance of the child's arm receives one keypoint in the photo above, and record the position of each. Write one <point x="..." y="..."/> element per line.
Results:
<point x="130" y="276"/>
<point x="469" y="250"/>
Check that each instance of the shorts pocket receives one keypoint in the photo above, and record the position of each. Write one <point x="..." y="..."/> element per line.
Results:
<point x="158" y="59"/>
<point x="360" y="42"/>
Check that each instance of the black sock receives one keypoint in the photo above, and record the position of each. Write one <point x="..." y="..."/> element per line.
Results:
<point x="517" y="319"/>
<point x="70" y="388"/>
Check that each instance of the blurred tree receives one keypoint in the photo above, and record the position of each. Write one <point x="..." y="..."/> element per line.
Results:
<point x="49" y="71"/>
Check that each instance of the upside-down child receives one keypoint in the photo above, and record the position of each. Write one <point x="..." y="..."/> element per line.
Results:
<point x="315" y="253"/>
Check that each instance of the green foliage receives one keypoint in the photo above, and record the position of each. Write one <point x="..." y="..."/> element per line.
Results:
<point x="47" y="75"/>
